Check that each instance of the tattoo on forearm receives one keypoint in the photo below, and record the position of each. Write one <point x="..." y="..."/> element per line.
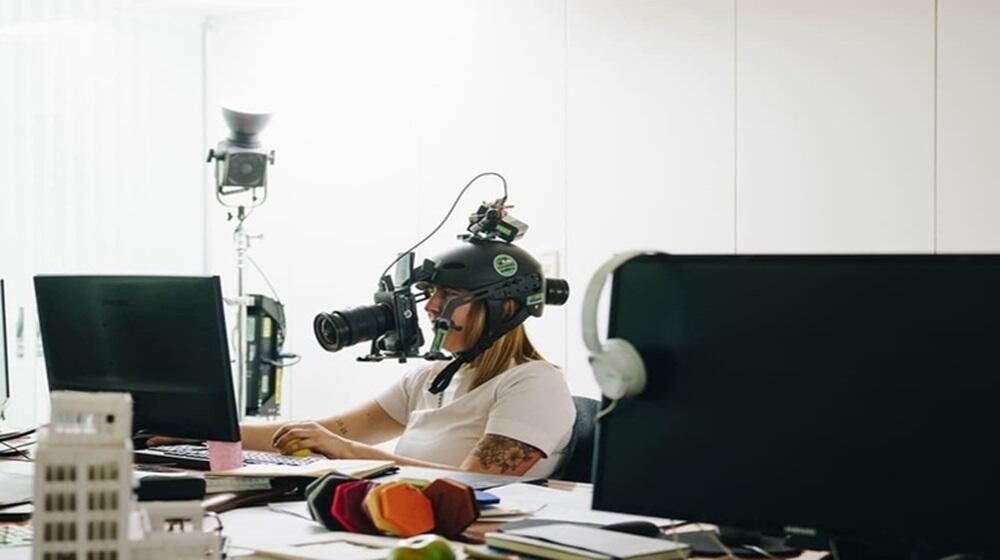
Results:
<point x="505" y="453"/>
<point x="341" y="427"/>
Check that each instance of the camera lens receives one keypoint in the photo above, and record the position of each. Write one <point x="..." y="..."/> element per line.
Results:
<point x="341" y="329"/>
<point x="556" y="291"/>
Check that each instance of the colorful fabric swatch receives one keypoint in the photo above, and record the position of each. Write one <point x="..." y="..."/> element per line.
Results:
<point x="406" y="507"/>
<point x="454" y="506"/>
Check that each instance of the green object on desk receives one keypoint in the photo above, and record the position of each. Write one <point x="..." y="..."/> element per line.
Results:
<point x="422" y="547"/>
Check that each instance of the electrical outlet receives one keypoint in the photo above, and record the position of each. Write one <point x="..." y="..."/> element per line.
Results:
<point x="550" y="263"/>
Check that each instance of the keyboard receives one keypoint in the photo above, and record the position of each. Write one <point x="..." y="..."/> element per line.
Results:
<point x="15" y="535"/>
<point x="196" y="457"/>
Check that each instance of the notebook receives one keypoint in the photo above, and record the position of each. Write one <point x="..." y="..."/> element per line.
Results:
<point x="15" y="489"/>
<point x="354" y="468"/>
<point x="563" y="541"/>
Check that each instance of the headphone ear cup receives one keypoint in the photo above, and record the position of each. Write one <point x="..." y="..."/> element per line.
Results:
<point x="619" y="369"/>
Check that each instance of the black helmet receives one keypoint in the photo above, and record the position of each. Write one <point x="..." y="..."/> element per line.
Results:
<point x="493" y="271"/>
<point x="501" y="270"/>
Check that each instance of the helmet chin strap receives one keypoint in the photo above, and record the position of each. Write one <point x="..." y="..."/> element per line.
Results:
<point x="495" y="329"/>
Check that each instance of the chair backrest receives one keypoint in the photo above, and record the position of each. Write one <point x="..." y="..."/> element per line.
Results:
<point x="578" y="462"/>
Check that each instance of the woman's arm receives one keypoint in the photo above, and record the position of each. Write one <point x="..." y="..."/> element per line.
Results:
<point x="318" y="438"/>
<point x="367" y="423"/>
<point x="494" y="454"/>
<point x="498" y="454"/>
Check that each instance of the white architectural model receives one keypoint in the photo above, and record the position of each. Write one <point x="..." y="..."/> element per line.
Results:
<point x="83" y="478"/>
<point x="83" y="490"/>
<point x="174" y="530"/>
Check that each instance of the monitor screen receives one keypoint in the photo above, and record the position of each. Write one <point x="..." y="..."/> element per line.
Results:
<point x="162" y="339"/>
<point x="842" y="395"/>
<point x="4" y="364"/>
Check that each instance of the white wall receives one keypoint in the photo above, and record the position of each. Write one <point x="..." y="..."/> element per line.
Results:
<point x="685" y="125"/>
<point x="383" y="112"/>
<point x="649" y="135"/>
<point x="100" y="155"/>
<point x="835" y="126"/>
<point x="968" y="149"/>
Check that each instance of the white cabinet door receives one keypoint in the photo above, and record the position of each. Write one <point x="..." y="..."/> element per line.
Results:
<point x="968" y="121"/>
<point x="835" y="126"/>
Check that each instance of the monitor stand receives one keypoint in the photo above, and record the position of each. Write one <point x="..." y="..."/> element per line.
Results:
<point x="743" y="543"/>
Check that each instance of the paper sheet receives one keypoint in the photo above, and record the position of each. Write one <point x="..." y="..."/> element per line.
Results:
<point x="564" y="505"/>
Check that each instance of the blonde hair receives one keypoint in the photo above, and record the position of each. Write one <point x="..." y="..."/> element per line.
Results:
<point x="512" y="347"/>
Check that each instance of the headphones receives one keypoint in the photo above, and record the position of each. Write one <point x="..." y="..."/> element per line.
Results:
<point x="618" y="366"/>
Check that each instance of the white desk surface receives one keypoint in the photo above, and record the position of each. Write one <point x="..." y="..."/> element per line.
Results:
<point x="264" y="526"/>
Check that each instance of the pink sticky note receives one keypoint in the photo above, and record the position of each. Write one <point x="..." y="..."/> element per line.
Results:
<point x="225" y="455"/>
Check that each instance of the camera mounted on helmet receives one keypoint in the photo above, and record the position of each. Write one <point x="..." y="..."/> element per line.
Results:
<point x="491" y="221"/>
<point x="485" y="266"/>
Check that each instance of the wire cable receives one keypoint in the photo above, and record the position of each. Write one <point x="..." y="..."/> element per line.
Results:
<point x="264" y="276"/>
<point x="715" y="537"/>
<point x="295" y="358"/>
<point x="760" y="550"/>
<point x="608" y="410"/>
<point x="834" y="553"/>
<point x="18" y="449"/>
<point x="446" y="216"/>
<point x="283" y="325"/>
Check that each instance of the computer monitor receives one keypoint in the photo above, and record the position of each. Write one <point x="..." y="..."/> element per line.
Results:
<point x="4" y="363"/>
<point x="160" y="338"/>
<point x="845" y="397"/>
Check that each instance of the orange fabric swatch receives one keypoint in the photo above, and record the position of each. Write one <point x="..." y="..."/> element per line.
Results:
<point x="406" y="507"/>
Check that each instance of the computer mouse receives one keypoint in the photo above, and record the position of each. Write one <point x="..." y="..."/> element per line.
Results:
<point x="641" y="528"/>
<point x="297" y="453"/>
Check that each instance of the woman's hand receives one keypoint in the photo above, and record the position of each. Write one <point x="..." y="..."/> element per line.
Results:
<point x="311" y="436"/>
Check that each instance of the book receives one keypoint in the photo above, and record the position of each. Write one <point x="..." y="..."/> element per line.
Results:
<point x="215" y="484"/>
<point x="353" y="468"/>
<point x="15" y="489"/>
<point x="564" y="541"/>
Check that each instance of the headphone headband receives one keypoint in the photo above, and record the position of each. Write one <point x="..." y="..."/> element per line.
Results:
<point x="593" y="294"/>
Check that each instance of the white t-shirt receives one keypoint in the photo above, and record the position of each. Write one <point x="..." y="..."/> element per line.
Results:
<point x="529" y="402"/>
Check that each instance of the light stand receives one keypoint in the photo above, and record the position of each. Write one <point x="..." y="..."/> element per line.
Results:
<point x="242" y="240"/>
<point x="241" y="169"/>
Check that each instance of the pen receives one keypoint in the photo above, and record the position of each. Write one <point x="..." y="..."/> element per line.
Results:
<point x="481" y="554"/>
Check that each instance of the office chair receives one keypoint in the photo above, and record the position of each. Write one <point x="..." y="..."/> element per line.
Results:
<point x="577" y="464"/>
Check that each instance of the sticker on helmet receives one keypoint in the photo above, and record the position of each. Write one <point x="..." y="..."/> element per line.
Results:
<point x="505" y="265"/>
<point x="535" y="299"/>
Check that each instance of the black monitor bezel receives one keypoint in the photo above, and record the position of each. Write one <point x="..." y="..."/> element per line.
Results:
<point x="782" y="527"/>
<point x="5" y="397"/>
<point x="225" y="424"/>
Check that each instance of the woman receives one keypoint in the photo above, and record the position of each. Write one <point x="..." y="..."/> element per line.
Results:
<point x="506" y="411"/>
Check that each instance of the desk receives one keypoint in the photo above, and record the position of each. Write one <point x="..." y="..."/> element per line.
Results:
<point x="274" y="526"/>
<point x="16" y="466"/>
